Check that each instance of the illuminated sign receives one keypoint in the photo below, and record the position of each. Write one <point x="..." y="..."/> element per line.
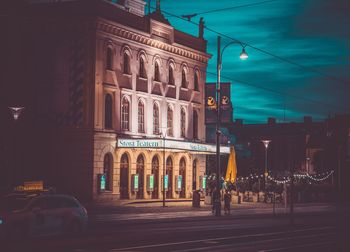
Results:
<point x="166" y="182"/>
<point x="170" y="144"/>
<point x="103" y="182"/>
<point x="31" y="186"/>
<point x="204" y="182"/>
<point x="179" y="182"/>
<point x="150" y="182"/>
<point x="135" y="182"/>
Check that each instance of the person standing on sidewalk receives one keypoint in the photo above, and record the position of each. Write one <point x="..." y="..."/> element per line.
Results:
<point x="216" y="200"/>
<point x="227" y="202"/>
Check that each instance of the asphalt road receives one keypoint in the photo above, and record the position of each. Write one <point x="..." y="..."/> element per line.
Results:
<point x="310" y="232"/>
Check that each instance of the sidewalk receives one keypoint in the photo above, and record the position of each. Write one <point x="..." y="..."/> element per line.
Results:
<point x="137" y="211"/>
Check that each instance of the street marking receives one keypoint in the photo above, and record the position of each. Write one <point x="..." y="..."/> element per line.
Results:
<point x="255" y="243"/>
<point x="222" y="238"/>
<point x="296" y="247"/>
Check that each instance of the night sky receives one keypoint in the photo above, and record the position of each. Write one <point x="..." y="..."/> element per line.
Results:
<point x="313" y="35"/>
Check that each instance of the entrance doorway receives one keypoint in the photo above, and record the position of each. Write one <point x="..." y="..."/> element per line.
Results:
<point x="182" y="173"/>
<point x="124" y="177"/>
<point x="155" y="172"/>
<point x="140" y="168"/>
<point x="169" y="172"/>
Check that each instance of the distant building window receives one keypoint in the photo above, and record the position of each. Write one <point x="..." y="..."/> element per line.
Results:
<point x="156" y="72"/>
<point x="108" y="111"/>
<point x="141" y="117"/>
<point x="184" y="79"/>
<point x="142" y="70"/>
<point x="126" y="63"/>
<point x="107" y="170"/>
<point x="125" y="114"/>
<point x="183" y="122"/>
<point x="196" y="83"/>
<point x="170" y="121"/>
<point x="155" y="119"/>
<point x="109" y="58"/>
<point x="171" y="75"/>
<point x="195" y="125"/>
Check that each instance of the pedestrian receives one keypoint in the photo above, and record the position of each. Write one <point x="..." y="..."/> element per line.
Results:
<point x="227" y="202"/>
<point x="216" y="201"/>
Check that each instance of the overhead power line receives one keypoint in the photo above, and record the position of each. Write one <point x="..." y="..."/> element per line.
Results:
<point x="305" y="68"/>
<point x="227" y="9"/>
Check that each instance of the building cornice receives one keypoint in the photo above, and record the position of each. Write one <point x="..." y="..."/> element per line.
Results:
<point x="119" y="31"/>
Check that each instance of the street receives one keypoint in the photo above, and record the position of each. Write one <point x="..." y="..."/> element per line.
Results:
<point x="316" y="231"/>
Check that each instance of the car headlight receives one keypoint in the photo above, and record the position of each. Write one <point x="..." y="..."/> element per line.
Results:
<point x="1" y="221"/>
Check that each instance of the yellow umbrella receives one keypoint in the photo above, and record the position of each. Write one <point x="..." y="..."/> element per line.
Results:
<point x="231" y="172"/>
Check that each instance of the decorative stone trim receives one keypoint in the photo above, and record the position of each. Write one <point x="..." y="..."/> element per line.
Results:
<point x="130" y="35"/>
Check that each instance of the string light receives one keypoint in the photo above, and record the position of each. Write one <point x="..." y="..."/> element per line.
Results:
<point x="314" y="177"/>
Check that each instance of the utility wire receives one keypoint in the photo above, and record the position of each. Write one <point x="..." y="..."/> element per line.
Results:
<point x="280" y="93"/>
<point x="308" y="69"/>
<point x="229" y="8"/>
<point x="272" y="55"/>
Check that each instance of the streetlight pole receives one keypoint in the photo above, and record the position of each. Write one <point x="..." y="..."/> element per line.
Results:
<point x="243" y="56"/>
<point x="164" y="131"/>
<point x="266" y="144"/>
<point x="16" y="112"/>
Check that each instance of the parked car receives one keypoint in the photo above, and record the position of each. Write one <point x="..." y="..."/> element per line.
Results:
<point x="24" y="215"/>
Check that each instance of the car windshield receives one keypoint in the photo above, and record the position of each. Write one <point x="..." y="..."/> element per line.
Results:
<point x="13" y="203"/>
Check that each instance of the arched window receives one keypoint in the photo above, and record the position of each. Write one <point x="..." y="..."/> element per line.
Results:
<point x="124" y="177"/>
<point x="140" y="168"/>
<point x="155" y="119"/>
<point x="171" y="75"/>
<point x="155" y="172"/>
<point x="196" y="83"/>
<point x="182" y="173"/>
<point x="170" y="121"/>
<point x="108" y="111"/>
<point x="183" y="122"/>
<point x="156" y="71"/>
<point x="125" y="114"/>
<point x="194" y="175"/>
<point x="195" y="125"/>
<point x="107" y="170"/>
<point x="142" y="70"/>
<point x="169" y="172"/>
<point x="109" y="58"/>
<point x="184" y="79"/>
<point x="126" y="63"/>
<point x="141" y="117"/>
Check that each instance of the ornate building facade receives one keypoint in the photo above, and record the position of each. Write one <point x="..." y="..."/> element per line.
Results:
<point x="149" y="96"/>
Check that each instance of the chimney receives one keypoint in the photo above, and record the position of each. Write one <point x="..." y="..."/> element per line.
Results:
<point x="136" y="7"/>
<point x="271" y="120"/>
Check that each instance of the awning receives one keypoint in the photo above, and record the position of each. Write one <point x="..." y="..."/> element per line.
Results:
<point x="172" y="145"/>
